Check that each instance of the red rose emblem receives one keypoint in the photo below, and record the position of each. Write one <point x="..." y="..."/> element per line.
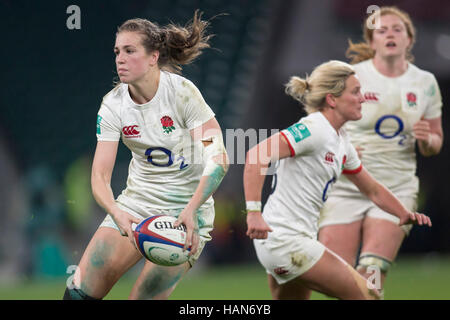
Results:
<point x="166" y="121"/>
<point x="411" y="99"/>
<point x="167" y="124"/>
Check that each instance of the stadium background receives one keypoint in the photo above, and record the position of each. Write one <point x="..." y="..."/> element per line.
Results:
<point x="53" y="79"/>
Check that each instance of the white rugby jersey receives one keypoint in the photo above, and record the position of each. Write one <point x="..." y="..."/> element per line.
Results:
<point x="166" y="164"/>
<point x="302" y="182"/>
<point x="392" y="107"/>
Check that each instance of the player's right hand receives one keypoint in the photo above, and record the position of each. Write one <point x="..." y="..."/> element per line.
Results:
<point x="124" y="222"/>
<point x="188" y="218"/>
<point x="257" y="228"/>
<point x="416" y="218"/>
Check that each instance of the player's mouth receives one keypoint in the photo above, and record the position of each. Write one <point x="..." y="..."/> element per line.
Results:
<point x="391" y="44"/>
<point x="121" y="70"/>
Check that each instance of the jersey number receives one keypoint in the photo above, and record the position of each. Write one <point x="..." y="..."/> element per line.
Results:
<point x="327" y="187"/>
<point x="170" y="156"/>
<point x="274" y="183"/>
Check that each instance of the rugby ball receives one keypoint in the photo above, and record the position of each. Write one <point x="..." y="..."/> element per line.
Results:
<point x="159" y="241"/>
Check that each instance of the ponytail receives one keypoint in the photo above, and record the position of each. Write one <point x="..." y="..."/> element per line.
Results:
<point x="296" y="88"/>
<point x="329" y="77"/>
<point x="182" y="45"/>
<point x="358" y="52"/>
<point x="176" y="45"/>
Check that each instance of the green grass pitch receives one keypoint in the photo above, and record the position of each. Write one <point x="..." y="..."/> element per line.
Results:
<point x="427" y="277"/>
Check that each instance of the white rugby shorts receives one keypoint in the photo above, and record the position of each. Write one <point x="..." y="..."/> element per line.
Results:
<point x="344" y="210"/>
<point x="287" y="257"/>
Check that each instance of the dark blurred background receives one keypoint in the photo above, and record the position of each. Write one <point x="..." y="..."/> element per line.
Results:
<point x="53" y="79"/>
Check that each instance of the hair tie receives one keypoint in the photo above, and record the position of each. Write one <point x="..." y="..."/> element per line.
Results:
<point x="307" y="86"/>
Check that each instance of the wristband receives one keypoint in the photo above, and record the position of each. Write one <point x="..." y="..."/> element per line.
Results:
<point x="253" y="206"/>
<point x="430" y="140"/>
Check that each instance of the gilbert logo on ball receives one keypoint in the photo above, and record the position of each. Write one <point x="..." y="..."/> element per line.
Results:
<point x="160" y="242"/>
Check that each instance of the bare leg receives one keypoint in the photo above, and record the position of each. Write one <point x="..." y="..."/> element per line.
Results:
<point x="332" y="276"/>
<point x="292" y="290"/>
<point x="383" y="238"/>
<point x="343" y="239"/>
<point x="157" y="282"/>
<point x="107" y="257"/>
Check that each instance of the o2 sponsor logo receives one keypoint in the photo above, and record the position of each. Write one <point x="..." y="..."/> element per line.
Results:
<point x="400" y="128"/>
<point x="170" y="158"/>
<point x="273" y="171"/>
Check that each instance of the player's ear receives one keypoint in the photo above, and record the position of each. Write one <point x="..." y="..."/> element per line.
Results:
<point x="410" y="41"/>
<point x="331" y="100"/>
<point x="154" y="56"/>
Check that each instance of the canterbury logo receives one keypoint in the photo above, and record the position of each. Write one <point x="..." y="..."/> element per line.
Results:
<point x="280" y="271"/>
<point x="131" y="131"/>
<point x="329" y="157"/>
<point x="370" y="96"/>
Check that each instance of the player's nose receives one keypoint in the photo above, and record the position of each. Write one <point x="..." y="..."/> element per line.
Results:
<point x="120" y="59"/>
<point x="361" y="98"/>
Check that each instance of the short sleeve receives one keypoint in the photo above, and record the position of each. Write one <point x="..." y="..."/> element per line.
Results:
<point x="434" y="107"/>
<point x="299" y="138"/>
<point x="108" y="125"/>
<point x="196" y="110"/>
<point x="352" y="163"/>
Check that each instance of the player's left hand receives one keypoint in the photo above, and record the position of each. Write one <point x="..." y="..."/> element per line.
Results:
<point x="422" y="130"/>
<point x="416" y="218"/>
<point x="192" y="239"/>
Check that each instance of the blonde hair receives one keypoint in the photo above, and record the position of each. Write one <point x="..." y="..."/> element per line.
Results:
<point x="329" y="77"/>
<point x="362" y="51"/>
<point x="176" y="45"/>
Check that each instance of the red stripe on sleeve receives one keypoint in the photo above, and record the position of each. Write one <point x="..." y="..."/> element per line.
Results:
<point x="289" y="144"/>
<point x="354" y="171"/>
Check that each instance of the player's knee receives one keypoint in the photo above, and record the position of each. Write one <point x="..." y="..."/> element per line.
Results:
<point x="374" y="294"/>
<point x="364" y="290"/>
<point x="159" y="283"/>
<point x="76" y="294"/>
<point x="369" y="260"/>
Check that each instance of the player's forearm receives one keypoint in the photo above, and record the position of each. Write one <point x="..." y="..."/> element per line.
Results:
<point x="213" y="174"/>
<point x="254" y="176"/>
<point x="432" y="146"/>
<point x="103" y="194"/>
<point x="386" y="201"/>
<point x="378" y="193"/>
